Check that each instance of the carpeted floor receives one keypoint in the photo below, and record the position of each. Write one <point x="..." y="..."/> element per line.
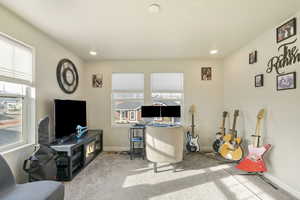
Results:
<point x="115" y="176"/>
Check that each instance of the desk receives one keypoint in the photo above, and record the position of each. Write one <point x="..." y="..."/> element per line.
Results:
<point x="164" y="144"/>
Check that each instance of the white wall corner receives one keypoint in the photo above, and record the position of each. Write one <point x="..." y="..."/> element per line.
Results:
<point x="121" y="148"/>
<point x="283" y="185"/>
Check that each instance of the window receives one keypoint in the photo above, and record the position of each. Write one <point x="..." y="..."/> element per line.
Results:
<point x="127" y="97"/>
<point x="167" y="90"/>
<point x="123" y="115"/>
<point x="16" y="93"/>
<point x="132" y="115"/>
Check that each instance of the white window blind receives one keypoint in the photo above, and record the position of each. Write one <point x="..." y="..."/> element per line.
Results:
<point x="127" y="98"/>
<point x="16" y="60"/>
<point x="162" y="82"/>
<point x="127" y="82"/>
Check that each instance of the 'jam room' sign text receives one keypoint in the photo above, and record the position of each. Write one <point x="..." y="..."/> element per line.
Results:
<point x="289" y="56"/>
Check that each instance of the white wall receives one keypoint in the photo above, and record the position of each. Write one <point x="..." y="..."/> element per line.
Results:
<point x="207" y="95"/>
<point x="48" y="53"/>
<point x="281" y="127"/>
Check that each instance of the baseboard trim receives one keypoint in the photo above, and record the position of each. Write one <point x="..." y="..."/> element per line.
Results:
<point x="115" y="148"/>
<point x="283" y="185"/>
<point x="204" y="149"/>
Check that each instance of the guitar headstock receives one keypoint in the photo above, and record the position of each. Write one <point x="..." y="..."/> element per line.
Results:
<point x="225" y="113"/>
<point x="236" y="113"/>
<point x="261" y="114"/>
<point x="193" y="109"/>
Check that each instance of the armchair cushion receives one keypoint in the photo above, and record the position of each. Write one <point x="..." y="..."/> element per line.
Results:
<point x="40" y="190"/>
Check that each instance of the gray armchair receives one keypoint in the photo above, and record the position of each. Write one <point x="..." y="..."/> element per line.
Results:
<point x="40" y="190"/>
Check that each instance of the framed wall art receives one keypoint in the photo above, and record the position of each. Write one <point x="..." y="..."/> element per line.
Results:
<point x="286" y="81"/>
<point x="259" y="80"/>
<point x="206" y="74"/>
<point x="253" y="57"/>
<point x="97" y="80"/>
<point x="287" y="30"/>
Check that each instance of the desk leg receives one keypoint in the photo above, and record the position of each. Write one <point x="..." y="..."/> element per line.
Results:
<point x="155" y="167"/>
<point x="144" y="144"/>
<point x="131" y="147"/>
<point x="174" y="166"/>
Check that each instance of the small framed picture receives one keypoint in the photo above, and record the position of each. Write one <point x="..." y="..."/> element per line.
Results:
<point x="286" y="81"/>
<point x="206" y="74"/>
<point x="287" y="30"/>
<point x="259" y="80"/>
<point x="97" y="80"/>
<point x="253" y="57"/>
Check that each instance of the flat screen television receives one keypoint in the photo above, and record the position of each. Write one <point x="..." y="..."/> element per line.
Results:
<point x="150" y="111"/>
<point x="170" y="111"/>
<point x="68" y="114"/>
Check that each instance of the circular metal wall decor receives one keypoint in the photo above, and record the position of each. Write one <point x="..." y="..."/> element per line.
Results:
<point x="67" y="76"/>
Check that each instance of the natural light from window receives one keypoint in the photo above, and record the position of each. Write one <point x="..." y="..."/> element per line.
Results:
<point x="167" y="90"/>
<point x="17" y="94"/>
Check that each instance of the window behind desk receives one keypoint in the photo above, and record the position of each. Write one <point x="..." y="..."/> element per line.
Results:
<point x="16" y="93"/>
<point x="167" y="90"/>
<point x="127" y="98"/>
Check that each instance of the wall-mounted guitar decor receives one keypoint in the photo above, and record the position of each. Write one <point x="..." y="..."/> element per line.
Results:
<point x="67" y="76"/>
<point x="289" y="56"/>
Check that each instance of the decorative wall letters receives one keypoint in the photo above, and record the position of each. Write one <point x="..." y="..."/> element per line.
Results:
<point x="289" y="56"/>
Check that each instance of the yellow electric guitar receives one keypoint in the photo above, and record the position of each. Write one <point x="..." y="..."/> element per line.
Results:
<point x="231" y="148"/>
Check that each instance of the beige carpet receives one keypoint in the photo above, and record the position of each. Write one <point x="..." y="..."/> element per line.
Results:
<point x="115" y="176"/>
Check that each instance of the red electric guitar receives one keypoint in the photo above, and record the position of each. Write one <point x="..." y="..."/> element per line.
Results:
<point x="254" y="162"/>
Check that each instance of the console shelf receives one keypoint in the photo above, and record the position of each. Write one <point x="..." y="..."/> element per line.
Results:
<point x="75" y="154"/>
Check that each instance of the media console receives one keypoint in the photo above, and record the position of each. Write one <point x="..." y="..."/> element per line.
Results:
<point x="74" y="154"/>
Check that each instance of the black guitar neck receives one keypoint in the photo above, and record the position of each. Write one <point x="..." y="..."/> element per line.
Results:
<point x="193" y="126"/>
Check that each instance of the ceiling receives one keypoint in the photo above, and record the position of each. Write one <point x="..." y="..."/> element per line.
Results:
<point x="124" y="29"/>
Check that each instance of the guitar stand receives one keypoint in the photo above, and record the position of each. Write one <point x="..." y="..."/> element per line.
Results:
<point x="220" y="160"/>
<point x="262" y="177"/>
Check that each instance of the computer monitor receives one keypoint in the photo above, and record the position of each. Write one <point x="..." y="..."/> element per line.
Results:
<point x="150" y="111"/>
<point x="170" y="111"/>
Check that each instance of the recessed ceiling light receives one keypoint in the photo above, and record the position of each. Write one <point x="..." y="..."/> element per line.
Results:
<point x="215" y="51"/>
<point x="93" y="53"/>
<point x="154" y="8"/>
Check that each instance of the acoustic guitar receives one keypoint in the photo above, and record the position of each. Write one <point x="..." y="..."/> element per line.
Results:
<point x="254" y="161"/>
<point x="192" y="144"/>
<point x="219" y="136"/>
<point x="231" y="148"/>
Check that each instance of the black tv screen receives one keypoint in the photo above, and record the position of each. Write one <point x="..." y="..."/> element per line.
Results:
<point x="68" y="114"/>
<point x="150" y="111"/>
<point x="170" y="111"/>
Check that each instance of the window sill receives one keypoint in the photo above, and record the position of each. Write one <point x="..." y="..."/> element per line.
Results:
<point x="121" y="126"/>
<point x="16" y="148"/>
